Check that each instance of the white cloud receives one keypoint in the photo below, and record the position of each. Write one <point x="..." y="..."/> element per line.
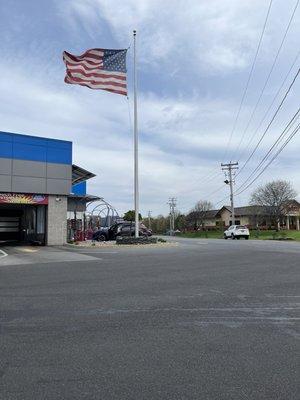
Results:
<point x="102" y="136"/>
<point x="182" y="133"/>
<point x="179" y="139"/>
<point x="210" y="34"/>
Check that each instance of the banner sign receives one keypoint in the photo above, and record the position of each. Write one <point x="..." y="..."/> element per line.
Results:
<point x="20" y="198"/>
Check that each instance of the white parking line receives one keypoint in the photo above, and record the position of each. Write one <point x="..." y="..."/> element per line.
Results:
<point x="3" y="254"/>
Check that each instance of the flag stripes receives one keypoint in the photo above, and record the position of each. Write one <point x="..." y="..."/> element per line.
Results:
<point x="98" y="69"/>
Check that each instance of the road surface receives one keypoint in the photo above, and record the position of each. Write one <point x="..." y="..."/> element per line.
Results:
<point x="201" y="319"/>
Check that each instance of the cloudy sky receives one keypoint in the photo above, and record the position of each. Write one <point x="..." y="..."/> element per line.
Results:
<point x="194" y="61"/>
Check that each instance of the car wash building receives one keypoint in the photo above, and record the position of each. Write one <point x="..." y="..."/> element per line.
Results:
<point x="39" y="184"/>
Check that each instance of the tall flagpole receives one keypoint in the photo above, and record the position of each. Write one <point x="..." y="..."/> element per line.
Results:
<point x="136" y="142"/>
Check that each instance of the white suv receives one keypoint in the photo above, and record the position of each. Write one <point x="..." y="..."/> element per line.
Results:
<point x="236" y="232"/>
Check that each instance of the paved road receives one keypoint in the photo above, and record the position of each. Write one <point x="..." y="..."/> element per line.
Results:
<point x="204" y="319"/>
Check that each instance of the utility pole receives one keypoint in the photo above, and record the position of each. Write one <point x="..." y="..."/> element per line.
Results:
<point x="172" y="203"/>
<point x="230" y="167"/>
<point x="149" y="219"/>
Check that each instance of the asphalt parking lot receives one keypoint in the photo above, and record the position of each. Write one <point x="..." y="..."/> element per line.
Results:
<point x="201" y="319"/>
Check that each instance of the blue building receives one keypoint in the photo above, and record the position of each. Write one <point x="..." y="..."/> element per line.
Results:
<point x="38" y="185"/>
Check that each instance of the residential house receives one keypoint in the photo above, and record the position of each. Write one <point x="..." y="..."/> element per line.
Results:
<point x="252" y="216"/>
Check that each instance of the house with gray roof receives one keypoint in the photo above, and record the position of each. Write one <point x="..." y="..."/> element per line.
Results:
<point x="253" y="216"/>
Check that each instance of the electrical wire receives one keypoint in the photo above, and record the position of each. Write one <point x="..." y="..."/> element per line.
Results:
<point x="271" y="121"/>
<point x="280" y="137"/>
<point x="275" y="156"/>
<point x="271" y="105"/>
<point x="215" y="191"/>
<point x="272" y="159"/>
<point x="248" y="80"/>
<point x="208" y="178"/>
<point x="269" y="74"/>
<point x="221" y="201"/>
<point x="207" y="195"/>
<point x="203" y="179"/>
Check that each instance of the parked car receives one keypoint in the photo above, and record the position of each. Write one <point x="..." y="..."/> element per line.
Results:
<point x="125" y="228"/>
<point x="237" y="232"/>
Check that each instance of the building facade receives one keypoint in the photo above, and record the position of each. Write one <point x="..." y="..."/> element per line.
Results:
<point x="252" y="216"/>
<point x="37" y="178"/>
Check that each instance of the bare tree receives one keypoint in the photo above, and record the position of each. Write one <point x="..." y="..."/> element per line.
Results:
<point x="160" y="224"/>
<point x="198" y="214"/>
<point x="276" y="198"/>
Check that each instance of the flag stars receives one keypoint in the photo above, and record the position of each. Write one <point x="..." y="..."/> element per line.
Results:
<point x="115" y="60"/>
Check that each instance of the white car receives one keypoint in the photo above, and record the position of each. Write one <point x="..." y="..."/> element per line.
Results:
<point x="237" y="232"/>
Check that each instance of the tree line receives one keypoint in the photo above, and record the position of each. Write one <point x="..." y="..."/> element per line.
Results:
<point x="272" y="200"/>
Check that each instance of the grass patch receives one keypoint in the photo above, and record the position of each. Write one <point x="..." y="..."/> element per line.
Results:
<point x="274" y="235"/>
<point x="202" y="234"/>
<point x="254" y="234"/>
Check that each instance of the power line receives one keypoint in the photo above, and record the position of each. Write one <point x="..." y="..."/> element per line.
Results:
<point x="208" y="178"/>
<point x="272" y="159"/>
<point x="215" y="191"/>
<point x="280" y="137"/>
<point x="203" y="179"/>
<point x="269" y="74"/>
<point x="207" y="196"/>
<point x="249" y="78"/>
<point x="286" y="129"/>
<point x="221" y="201"/>
<point x="270" y="106"/>
<point x="271" y="121"/>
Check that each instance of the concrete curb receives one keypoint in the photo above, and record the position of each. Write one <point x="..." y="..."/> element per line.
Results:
<point x="117" y="246"/>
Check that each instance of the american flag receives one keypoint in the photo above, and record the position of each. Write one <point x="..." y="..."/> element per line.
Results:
<point x="98" y="69"/>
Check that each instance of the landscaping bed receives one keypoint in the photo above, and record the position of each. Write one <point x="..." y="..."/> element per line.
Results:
<point x="128" y="241"/>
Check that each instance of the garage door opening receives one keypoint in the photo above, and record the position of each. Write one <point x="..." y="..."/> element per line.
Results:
<point x="22" y="224"/>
